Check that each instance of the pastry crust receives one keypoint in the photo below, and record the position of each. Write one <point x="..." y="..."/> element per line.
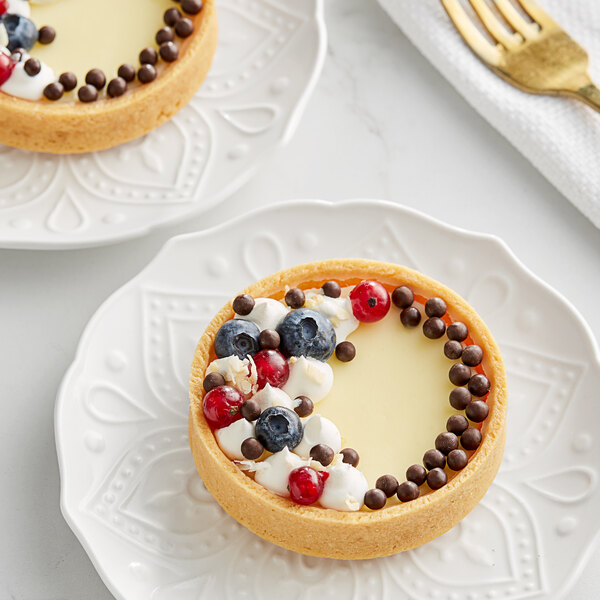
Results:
<point x="62" y="128"/>
<point x="317" y="531"/>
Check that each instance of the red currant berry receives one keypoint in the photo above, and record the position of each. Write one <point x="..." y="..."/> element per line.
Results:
<point x="7" y="65"/>
<point x="370" y="301"/>
<point x="271" y="368"/>
<point x="306" y="484"/>
<point x="3" y="6"/>
<point x="222" y="406"/>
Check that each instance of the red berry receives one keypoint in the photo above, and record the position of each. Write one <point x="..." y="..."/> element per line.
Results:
<point x="222" y="406"/>
<point x="3" y="6"/>
<point x="306" y="484"/>
<point x="370" y="301"/>
<point x="271" y="368"/>
<point x="7" y="64"/>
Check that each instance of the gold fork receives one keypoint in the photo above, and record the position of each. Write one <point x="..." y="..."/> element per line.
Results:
<point x="537" y="57"/>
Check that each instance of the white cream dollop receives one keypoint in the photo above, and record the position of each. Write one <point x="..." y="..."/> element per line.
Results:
<point x="337" y="310"/>
<point x="309" y="377"/>
<point x="345" y="487"/>
<point x="318" y="430"/>
<point x="237" y="372"/>
<point x="230" y="438"/>
<point x="19" y="7"/>
<point x="22" y="85"/>
<point x="272" y="396"/>
<point x="3" y="39"/>
<point x="266" y="314"/>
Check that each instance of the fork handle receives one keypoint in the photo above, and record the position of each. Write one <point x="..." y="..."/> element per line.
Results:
<point x="589" y="94"/>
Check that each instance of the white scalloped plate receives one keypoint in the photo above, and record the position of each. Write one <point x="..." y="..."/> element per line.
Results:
<point x="129" y="487"/>
<point x="268" y="61"/>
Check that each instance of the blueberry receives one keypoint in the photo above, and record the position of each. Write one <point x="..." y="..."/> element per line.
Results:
<point x="306" y="332"/>
<point x="22" y="33"/>
<point x="278" y="427"/>
<point x="237" y="337"/>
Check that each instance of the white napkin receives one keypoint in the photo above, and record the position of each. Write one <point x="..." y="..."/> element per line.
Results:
<point x="561" y="137"/>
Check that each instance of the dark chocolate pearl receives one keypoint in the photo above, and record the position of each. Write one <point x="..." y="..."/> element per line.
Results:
<point x="126" y="72"/>
<point x="17" y="54"/>
<point x="213" y="380"/>
<point x="252" y="448"/>
<point x="417" y="474"/>
<point x="165" y="34"/>
<point x="446" y="442"/>
<point x="96" y="78"/>
<point x="148" y="56"/>
<point x="116" y="87"/>
<point x="350" y="456"/>
<point x="457" y="460"/>
<point x="434" y="459"/>
<point x="459" y="398"/>
<point x="184" y="27"/>
<point x="146" y="73"/>
<point x="479" y="385"/>
<point x="459" y="374"/>
<point x="345" y="351"/>
<point x="87" y="93"/>
<point x="32" y="66"/>
<point x="375" y="499"/>
<point x="435" y="307"/>
<point x="471" y="438"/>
<point x="305" y="408"/>
<point x="250" y="410"/>
<point x="456" y="424"/>
<point x="332" y="289"/>
<point x="54" y="91"/>
<point x="453" y="349"/>
<point x="388" y="484"/>
<point x="269" y="339"/>
<point x="322" y="453"/>
<point x="46" y="35"/>
<point x="171" y="16"/>
<point x="294" y="298"/>
<point x="168" y="52"/>
<point x="68" y="81"/>
<point x="437" y="478"/>
<point x="472" y="355"/>
<point x="457" y="331"/>
<point x="243" y="304"/>
<point x="403" y="297"/>
<point x="410" y="317"/>
<point x="191" y="7"/>
<point x="434" y="328"/>
<point x="408" y="491"/>
<point x="477" y="411"/>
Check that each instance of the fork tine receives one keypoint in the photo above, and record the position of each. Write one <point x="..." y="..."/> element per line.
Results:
<point x="515" y="19"/>
<point x="537" y="14"/>
<point x="493" y="25"/>
<point x="472" y="36"/>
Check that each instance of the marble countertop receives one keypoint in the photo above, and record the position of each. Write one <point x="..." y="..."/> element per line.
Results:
<point x="381" y="124"/>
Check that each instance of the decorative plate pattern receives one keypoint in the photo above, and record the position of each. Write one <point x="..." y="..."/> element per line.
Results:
<point x="129" y="487"/>
<point x="269" y="57"/>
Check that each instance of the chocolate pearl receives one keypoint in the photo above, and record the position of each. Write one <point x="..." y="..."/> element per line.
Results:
<point x="148" y="56"/>
<point x="126" y="72"/>
<point x="87" y="93"/>
<point x="471" y="439"/>
<point x="243" y="304"/>
<point x="345" y="351"/>
<point x="434" y="328"/>
<point x="435" y="307"/>
<point x="165" y="34"/>
<point x="433" y="459"/>
<point x="457" y="331"/>
<point x="54" y="91"/>
<point x="32" y="66"/>
<point x="96" y="78"/>
<point x="350" y="456"/>
<point x="269" y="339"/>
<point x="169" y="52"/>
<point x="437" y="478"/>
<point x="147" y="73"/>
<point x="388" y="484"/>
<point x="453" y="349"/>
<point x="446" y="442"/>
<point x="457" y="460"/>
<point x="459" y="398"/>
<point x="459" y="374"/>
<point x="477" y="411"/>
<point x="410" y="317"/>
<point x="295" y="298"/>
<point x="17" y="55"/>
<point x="252" y="449"/>
<point x="213" y="380"/>
<point x="305" y="408"/>
<point x="322" y="453"/>
<point x="250" y="410"/>
<point x="456" y="424"/>
<point x="171" y="16"/>
<point x="184" y="27"/>
<point x="191" y="7"/>
<point x="68" y="81"/>
<point x="332" y="289"/>
<point x="403" y="297"/>
<point x="375" y="499"/>
<point x="46" y="34"/>
<point x="479" y="385"/>
<point x="116" y="87"/>
<point x="472" y="355"/>
<point x="408" y="491"/>
<point x="417" y="474"/>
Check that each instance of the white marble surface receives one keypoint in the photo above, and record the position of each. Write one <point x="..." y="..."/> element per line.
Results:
<point x="381" y="124"/>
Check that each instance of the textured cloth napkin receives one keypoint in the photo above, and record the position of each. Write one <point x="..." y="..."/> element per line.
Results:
<point x="561" y="137"/>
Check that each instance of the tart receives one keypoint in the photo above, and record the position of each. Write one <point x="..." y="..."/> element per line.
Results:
<point x="68" y="86"/>
<point x="347" y="408"/>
